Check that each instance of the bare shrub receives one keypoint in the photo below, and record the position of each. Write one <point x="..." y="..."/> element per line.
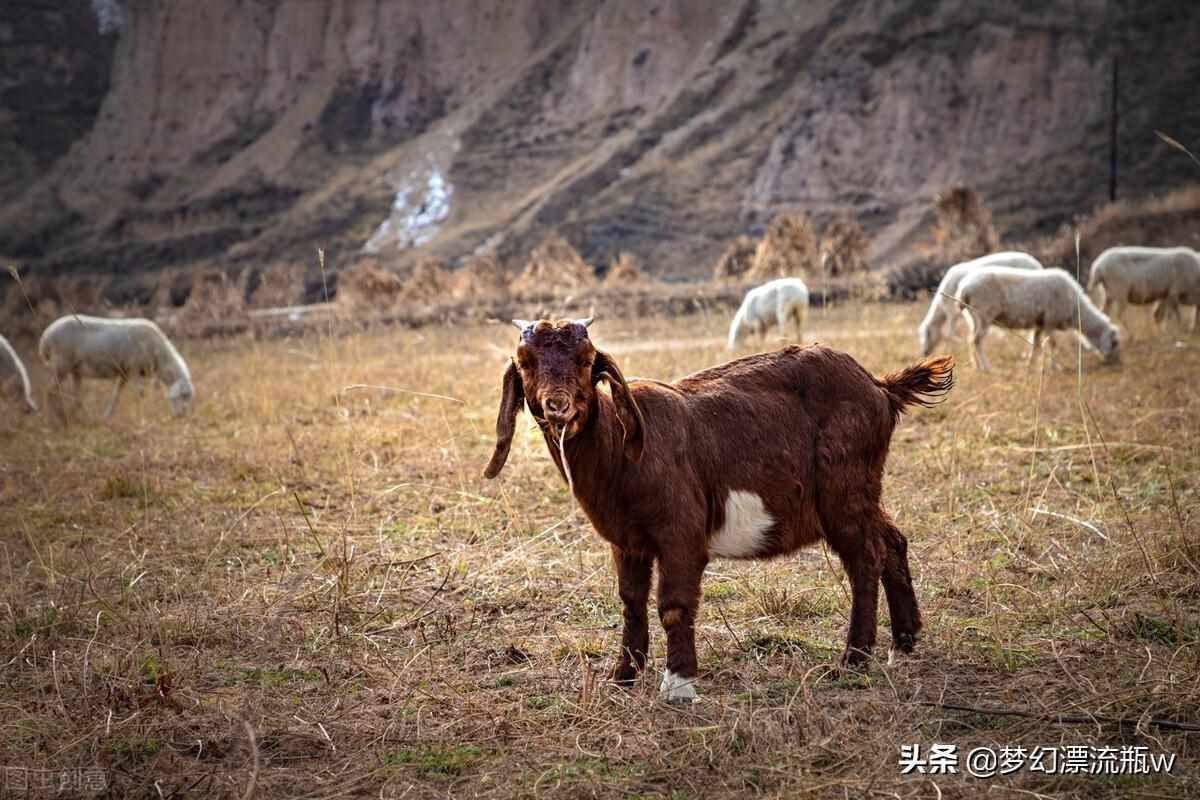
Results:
<point x="214" y="296"/>
<point x="624" y="271"/>
<point x="431" y="281"/>
<point x="964" y="228"/>
<point x="481" y="277"/>
<point x="737" y="259"/>
<point x="273" y="286"/>
<point x="367" y="285"/>
<point x="844" y="248"/>
<point x="554" y="267"/>
<point x="789" y="248"/>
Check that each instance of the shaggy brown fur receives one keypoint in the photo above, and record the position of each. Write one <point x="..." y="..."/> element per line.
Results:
<point x="805" y="428"/>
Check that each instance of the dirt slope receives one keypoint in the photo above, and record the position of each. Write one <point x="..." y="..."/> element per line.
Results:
<point x="232" y="135"/>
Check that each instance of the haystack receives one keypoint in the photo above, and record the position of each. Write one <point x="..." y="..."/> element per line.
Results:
<point x="368" y="285"/>
<point x="554" y="267"/>
<point x="624" y="271"/>
<point x="964" y="228"/>
<point x="843" y="248"/>
<point x="737" y="259"/>
<point x="481" y="277"/>
<point x="789" y="248"/>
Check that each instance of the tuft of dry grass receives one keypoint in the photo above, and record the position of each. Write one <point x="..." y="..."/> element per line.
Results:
<point x="306" y="589"/>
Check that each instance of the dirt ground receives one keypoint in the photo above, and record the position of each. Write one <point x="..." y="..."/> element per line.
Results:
<point x="307" y="589"/>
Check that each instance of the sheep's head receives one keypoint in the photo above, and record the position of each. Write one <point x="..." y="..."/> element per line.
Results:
<point x="179" y="395"/>
<point x="555" y="373"/>
<point x="1109" y="345"/>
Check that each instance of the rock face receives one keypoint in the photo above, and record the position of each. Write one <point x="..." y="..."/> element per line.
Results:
<point x="198" y="133"/>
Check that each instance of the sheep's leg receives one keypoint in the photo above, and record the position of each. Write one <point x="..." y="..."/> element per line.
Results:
<point x="898" y="588"/>
<point x="978" y="331"/>
<point x="54" y="398"/>
<point x="1195" y="314"/>
<point x="1049" y="345"/>
<point x="679" y="574"/>
<point x="1039" y="336"/>
<point x="1118" y="315"/>
<point x="633" y="581"/>
<point x="1166" y="307"/>
<point x="112" y="404"/>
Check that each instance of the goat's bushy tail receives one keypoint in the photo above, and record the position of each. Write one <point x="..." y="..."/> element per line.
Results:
<point x="924" y="383"/>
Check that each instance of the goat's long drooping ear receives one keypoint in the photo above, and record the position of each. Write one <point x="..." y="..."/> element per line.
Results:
<point x="604" y="368"/>
<point x="511" y="400"/>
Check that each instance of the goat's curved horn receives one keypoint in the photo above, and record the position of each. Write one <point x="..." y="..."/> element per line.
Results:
<point x="585" y="322"/>
<point x="522" y="324"/>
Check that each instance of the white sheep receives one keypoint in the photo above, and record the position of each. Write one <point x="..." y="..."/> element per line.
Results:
<point x="943" y="310"/>
<point x="14" y="380"/>
<point x="773" y="303"/>
<point x="80" y="346"/>
<point x="1046" y="301"/>
<point x="1168" y="276"/>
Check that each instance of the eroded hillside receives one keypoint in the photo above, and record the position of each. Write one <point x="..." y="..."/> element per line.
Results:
<point x="229" y="134"/>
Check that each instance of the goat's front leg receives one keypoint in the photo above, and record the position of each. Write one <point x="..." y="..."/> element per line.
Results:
<point x="633" y="582"/>
<point x="679" y="574"/>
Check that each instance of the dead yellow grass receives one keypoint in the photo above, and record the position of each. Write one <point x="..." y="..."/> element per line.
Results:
<point x="306" y="589"/>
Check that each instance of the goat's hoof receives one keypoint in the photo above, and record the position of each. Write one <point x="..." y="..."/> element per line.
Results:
<point x="904" y="642"/>
<point x="677" y="689"/>
<point x="855" y="659"/>
<point x="623" y="675"/>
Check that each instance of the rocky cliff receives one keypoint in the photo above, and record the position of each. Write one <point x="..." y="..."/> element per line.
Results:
<point x="228" y="133"/>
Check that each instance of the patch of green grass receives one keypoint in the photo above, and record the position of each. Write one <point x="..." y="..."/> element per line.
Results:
<point x="720" y="591"/>
<point x="134" y="747"/>
<point x="437" y="760"/>
<point x="539" y="702"/>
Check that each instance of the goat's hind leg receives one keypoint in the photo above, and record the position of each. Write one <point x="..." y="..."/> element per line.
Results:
<point x="633" y="581"/>
<point x="860" y="553"/>
<point x="897" y="586"/>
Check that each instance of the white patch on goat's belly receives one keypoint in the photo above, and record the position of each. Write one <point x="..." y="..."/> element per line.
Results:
<point x="746" y="524"/>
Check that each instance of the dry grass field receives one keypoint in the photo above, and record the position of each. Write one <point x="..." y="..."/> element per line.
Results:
<point x="307" y="589"/>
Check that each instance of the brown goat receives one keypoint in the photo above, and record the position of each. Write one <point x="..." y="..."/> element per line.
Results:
<point x="753" y="458"/>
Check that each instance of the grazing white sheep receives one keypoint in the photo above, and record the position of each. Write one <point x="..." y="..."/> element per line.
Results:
<point x="1046" y="301"/>
<point x="773" y="303"/>
<point x="79" y="346"/>
<point x="14" y="380"/>
<point x="1168" y="276"/>
<point x="943" y="310"/>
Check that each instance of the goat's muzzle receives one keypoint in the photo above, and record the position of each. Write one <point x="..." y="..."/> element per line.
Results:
<point x="558" y="409"/>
